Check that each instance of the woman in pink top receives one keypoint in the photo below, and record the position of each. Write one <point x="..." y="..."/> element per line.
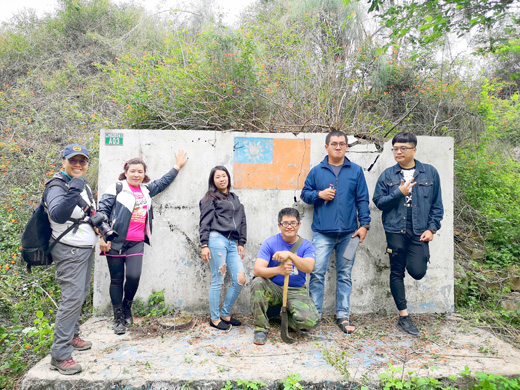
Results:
<point x="128" y="206"/>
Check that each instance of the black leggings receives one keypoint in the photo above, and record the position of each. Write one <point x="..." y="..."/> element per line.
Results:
<point x="131" y="256"/>
<point x="408" y="252"/>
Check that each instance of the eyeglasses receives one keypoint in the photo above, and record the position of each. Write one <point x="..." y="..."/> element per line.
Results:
<point x="341" y="144"/>
<point x="291" y="224"/>
<point x="74" y="161"/>
<point x="401" y="148"/>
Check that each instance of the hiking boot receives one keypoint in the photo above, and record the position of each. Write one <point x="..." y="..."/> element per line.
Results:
<point x="79" y="344"/>
<point x="127" y="312"/>
<point x="65" y="367"/>
<point x="260" y="337"/>
<point x="119" y="320"/>
<point x="405" y="323"/>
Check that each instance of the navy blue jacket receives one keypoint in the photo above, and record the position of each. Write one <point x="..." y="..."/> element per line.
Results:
<point x="427" y="210"/>
<point x="350" y="203"/>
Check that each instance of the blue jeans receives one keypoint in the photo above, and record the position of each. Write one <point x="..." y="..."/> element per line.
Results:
<point x="224" y="254"/>
<point x="324" y="245"/>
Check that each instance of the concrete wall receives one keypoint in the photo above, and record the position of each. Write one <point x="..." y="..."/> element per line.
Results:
<point x="268" y="172"/>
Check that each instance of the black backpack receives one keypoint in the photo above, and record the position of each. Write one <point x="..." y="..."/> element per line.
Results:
<point x="36" y="250"/>
<point x="37" y="234"/>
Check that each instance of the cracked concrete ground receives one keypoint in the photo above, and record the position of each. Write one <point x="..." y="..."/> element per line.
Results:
<point x="151" y="357"/>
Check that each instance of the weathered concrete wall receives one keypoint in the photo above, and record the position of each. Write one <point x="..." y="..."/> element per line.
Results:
<point x="268" y="172"/>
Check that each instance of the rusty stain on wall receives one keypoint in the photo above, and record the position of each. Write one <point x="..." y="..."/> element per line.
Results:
<point x="267" y="163"/>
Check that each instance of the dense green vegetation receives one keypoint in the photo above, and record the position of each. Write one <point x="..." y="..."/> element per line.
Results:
<point x="310" y="66"/>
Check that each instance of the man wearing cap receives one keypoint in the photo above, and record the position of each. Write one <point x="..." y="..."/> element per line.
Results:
<point x="69" y="202"/>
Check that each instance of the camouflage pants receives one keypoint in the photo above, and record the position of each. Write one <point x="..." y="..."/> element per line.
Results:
<point x="302" y="313"/>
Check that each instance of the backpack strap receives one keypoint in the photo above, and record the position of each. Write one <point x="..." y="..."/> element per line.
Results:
<point x="57" y="181"/>
<point x="119" y="188"/>
<point x="51" y="246"/>
<point x="89" y="194"/>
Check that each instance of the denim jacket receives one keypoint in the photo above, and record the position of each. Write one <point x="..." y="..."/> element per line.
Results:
<point x="427" y="210"/>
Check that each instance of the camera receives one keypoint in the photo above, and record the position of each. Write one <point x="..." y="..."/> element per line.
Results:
<point x="100" y="221"/>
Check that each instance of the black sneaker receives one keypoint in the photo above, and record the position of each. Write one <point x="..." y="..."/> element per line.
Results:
<point x="221" y="325"/>
<point x="407" y="326"/>
<point x="232" y="321"/>
<point x="260" y="337"/>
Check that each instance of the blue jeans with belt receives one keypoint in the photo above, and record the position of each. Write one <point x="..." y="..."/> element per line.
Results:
<point x="224" y="255"/>
<point x="324" y="244"/>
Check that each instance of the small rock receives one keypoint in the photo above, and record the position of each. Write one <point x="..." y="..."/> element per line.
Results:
<point x="510" y="305"/>
<point x="460" y="273"/>
<point x="512" y="302"/>
<point x="516" y="153"/>
<point x="515" y="284"/>
<point x="477" y="254"/>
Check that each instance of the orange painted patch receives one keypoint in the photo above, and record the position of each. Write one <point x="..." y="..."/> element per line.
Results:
<point x="287" y="170"/>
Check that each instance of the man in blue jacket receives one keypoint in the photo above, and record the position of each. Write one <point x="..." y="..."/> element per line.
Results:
<point x="338" y="191"/>
<point x="409" y="194"/>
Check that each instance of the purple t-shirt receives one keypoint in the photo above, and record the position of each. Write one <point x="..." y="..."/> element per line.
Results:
<point x="275" y="244"/>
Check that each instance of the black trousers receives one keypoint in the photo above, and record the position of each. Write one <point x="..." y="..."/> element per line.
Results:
<point x="130" y="259"/>
<point x="406" y="252"/>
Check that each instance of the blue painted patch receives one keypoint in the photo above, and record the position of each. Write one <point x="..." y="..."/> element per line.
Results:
<point x="253" y="150"/>
<point x="426" y="305"/>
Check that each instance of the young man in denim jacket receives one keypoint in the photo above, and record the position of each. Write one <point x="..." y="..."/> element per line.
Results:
<point x="409" y="194"/>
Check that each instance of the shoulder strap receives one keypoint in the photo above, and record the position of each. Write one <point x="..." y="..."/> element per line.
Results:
<point x="56" y="181"/>
<point x="297" y="245"/>
<point x="61" y="236"/>
<point x="119" y="188"/>
<point x="89" y="193"/>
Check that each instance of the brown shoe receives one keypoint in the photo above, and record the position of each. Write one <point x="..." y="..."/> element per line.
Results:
<point x="79" y="344"/>
<point x="65" y="367"/>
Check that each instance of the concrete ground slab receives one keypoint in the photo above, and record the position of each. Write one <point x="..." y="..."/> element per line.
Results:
<point x="151" y="357"/>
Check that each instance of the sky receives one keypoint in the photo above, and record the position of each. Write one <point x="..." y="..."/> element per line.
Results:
<point x="9" y="8"/>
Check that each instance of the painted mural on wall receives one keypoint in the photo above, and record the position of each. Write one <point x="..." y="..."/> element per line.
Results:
<point x="271" y="163"/>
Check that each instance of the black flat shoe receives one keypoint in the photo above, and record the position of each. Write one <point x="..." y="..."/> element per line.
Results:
<point x="232" y="321"/>
<point x="221" y="325"/>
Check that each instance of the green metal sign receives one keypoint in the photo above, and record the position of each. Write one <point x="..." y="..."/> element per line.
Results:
<point x="113" y="138"/>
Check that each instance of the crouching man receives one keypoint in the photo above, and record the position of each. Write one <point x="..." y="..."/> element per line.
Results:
<point x="275" y="260"/>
